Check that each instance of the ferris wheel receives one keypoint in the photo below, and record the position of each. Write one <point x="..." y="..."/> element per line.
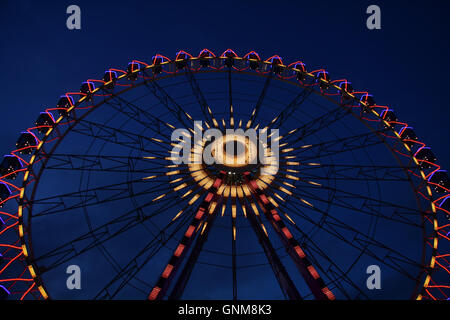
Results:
<point x="338" y="185"/>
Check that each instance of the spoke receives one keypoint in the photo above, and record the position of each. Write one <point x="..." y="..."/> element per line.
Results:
<point x="393" y="256"/>
<point x="99" y="163"/>
<point x="164" y="98"/>
<point x="260" y="100"/>
<point x="317" y="124"/>
<point x="303" y="264"/>
<point x="331" y="224"/>
<point x="340" y="198"/>
<point x="118" y="136"/>
<point x="99" y="235"/>
<point x="287" y="112"/>
<point x="284" y="280"/>
<point x="230" y="99"/>
<point x="132" y="268"/>
<point x="332" y="268"/>
<point x="93" y="196"/>
<point x="180" y="285"/>
<point x="139" y="115"/>
<point x="233" y="245"/>
<point x="206" y="207"/>
<point x="198" y="94"/>
<point x="337" y="146"/>
<point x="354" y="172"/>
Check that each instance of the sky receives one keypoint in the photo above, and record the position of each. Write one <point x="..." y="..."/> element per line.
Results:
<point x="404" y="64"/>
<point x="401" y="65"/>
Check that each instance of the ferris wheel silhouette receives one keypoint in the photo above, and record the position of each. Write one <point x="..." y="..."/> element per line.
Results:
<point x="94" y="183"/>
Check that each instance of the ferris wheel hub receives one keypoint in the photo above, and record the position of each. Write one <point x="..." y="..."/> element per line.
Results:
<point x="234" y="153"/>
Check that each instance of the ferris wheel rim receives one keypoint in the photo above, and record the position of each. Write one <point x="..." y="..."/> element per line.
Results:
<point x="79" y="102"/>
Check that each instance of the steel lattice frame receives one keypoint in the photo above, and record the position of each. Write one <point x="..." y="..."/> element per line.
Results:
<point x="21" y="277"/>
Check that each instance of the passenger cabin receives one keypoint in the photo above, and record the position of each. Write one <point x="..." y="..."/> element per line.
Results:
<point x="426" y="157"/>
<point x="87" y="88"/>
<point x="323" y="78"/>
<point x="26" y="142"/>
<point x="110" y="76"/>
<point x="181" y="60"/>
<point x="229" y="56"/>
<point x="346" y="87"/>
<point x="300" y="72"/>
<point x="254" y="61"/>
<point x="205" y="57"/>
<point x="44" y="122"/>
<point x="408" y="135"/>
<point x="389" y="115"/>
<point x="440" y="178"/>
<point x="64" y="103"/>
<point x="368" y="100"/>
<point x="9" y="166"/>
<point x="346" y="90"/>
<point x="131" y="68"/>
<point x="276" y="64"/>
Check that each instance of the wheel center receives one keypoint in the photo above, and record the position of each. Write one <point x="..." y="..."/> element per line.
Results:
<point x="234" y="153"/>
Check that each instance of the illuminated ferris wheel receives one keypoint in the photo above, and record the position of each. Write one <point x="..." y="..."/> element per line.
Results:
<point x="338" y="185"/>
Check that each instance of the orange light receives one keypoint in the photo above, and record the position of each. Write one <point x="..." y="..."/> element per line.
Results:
<point x="200" y="213"/>
<point x="167" y="271"/>
<point x="286" y="233"/>
<point x="189" y="231"/>
<point x="313" y="272"/>
<point x="209" y="197"/>
<point x="299" y="251"/>
<point x="179" y="250"/>
<point x="264" y="199"/>
<point x="328" y="293"/>
<point x="154" y="294"/>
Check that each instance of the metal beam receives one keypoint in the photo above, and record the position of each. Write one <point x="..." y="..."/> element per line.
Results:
<point x="162" y="285"/>
<point x="285" y="282"/>
<point x="180" y="285"/>
<point x="307" y="270"/>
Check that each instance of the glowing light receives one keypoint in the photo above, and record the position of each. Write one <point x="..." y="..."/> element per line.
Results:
<point x="159" y="197"/>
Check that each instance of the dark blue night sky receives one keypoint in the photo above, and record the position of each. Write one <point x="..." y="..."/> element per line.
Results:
<point x="404" y="65"/>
